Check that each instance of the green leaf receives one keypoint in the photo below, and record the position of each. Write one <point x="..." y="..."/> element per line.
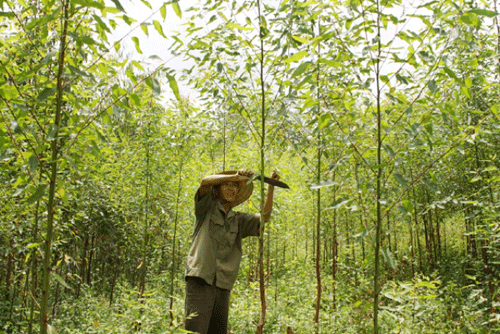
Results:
<point x="475" y="179"/>
<point x="118" y="5"/>
<point x="296" y="57"/>
<point x="173" y="85"/>
<point x="177" y="8"/>
<point x="300" y="39"/>
<point x="388" y="257"/>
<point x="389" y="150"/>
<point x="233" y="25"/>
<point x="469" y="18"/>
<point x="400" y="179"/>
<point x="432" y="86"/>
<point x="147" y="4"/>
<point x="432" y="187"/>
<point x="483" y="12"/>
<point x="135" y="99"/>
<point x="323" y="120"/>
<point x="468" y="82"/>
<point x="60" y="280"/>
<point x="163" y="11"/>
<point x="359" y="237"/>
<point x="44" y="94"/>
<point x="48" y="57"/>
<point x="385" y="79"/>
<point x="425" y="284"/>
<point x="323" y="184"/>
<point x="144" y="28"/>
<point x="137" y="64"/>
<point x="33" y="163"/>
<point x="452" y="75"/>
<point x="301" y="69"/>
<point x="155" y="85"/>
<point x="403" y="210"/>
<point x="79" y="72"/>
<point x="337" y="204"/>
<point x="8" y="15"/>
<point x="40" y="190"/>
<point x="159" y="28"/>
<point x="16" y="128"/>
<point x="51" y="329"/>
<point x="465" y="91"/>
<point x="71" y="162"/>
<point x="136" y="42"/>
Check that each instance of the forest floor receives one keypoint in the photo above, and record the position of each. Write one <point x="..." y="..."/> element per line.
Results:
<point x="422" y="305"/>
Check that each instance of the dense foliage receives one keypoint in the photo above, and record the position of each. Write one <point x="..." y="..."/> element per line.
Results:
<point x="381" y="115"/>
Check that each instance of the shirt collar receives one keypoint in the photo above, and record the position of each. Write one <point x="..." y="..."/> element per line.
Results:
<point x="221" y="208"/>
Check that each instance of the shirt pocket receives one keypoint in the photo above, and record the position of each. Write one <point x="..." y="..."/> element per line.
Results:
<point x="232" y="233"/>
<point x="217" y="230"/>
<point x="222" y="235"/>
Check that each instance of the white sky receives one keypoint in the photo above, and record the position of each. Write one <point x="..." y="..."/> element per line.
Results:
<point x="154" y="44"/>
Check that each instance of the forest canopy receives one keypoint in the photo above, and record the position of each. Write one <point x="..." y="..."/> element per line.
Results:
<point x="381" y="115"/>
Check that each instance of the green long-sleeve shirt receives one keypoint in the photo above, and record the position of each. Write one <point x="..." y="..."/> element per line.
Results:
<point x="216" y="241"/>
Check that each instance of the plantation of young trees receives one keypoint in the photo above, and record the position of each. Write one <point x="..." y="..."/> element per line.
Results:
<point x="381" y="115"/>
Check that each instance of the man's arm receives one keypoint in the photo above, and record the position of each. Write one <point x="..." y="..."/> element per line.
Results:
<point x="268" y="206"/>
<point x="212" y="180"/>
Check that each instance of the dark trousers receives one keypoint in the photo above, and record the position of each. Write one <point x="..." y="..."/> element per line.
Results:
<point x="207" y="307"/>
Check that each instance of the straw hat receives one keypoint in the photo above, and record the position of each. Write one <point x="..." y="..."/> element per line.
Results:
<point x="245" y="189"/>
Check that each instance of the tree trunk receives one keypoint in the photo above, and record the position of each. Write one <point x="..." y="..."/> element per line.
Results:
<point x="318" y="193"/>
<point x="115" y="275"/>
<point x="262" y="288"/>
<point x="174" y="241"/>
<point x="83" y="265"/>
<point x="91" y="256"/>
<point x="334" y="249"/>
<point x="378" y="222"/>
<point x="54" y="148"/>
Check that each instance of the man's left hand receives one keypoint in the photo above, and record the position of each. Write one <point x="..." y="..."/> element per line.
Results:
<point x="245" y="172"/>
<point x="275" y="175"/>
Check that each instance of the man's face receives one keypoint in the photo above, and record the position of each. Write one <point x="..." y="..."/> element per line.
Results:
<point x="229" y="190"/>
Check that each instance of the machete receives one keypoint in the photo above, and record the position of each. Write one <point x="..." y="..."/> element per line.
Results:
<point x="270" y="181"/>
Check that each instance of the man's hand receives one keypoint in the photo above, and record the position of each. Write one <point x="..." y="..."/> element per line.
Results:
<point x="245" y="172"/>
<point x="275" y="176"/>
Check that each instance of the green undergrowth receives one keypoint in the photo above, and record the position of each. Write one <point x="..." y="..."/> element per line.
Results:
<point x="422" y="305"/>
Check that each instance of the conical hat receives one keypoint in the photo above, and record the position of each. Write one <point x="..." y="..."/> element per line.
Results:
<point x="245" y="187"/>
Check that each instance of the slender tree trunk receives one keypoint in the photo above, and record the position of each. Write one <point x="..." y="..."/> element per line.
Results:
<point x="115" y="275"/>
<point x="379" y="179"/>
<point x="34" y="267"/>
<point x="412" y="246"/>
<point x="56" y="294"/>
<point x="145" y="258"/>
<point x="334" y="249"/>
<point x="54" y="148"/>
<point x="438" y="233"/>
<point x="83" y="265"/>
<point x="360" y="199"/>
<point x="91" y="256"/>
<point x="10" y="269"/>
<point x="419" y="246"/>
<point x="318" y="240"/>
<point x="174" y="242"/>
<point x="353" y="255"/>
<point x="275" y="272"/>
<point x="262" y="288"/>
<point x="318" y="194"/>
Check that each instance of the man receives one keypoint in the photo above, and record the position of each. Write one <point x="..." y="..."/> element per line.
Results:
<point x="214" y="257"/>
